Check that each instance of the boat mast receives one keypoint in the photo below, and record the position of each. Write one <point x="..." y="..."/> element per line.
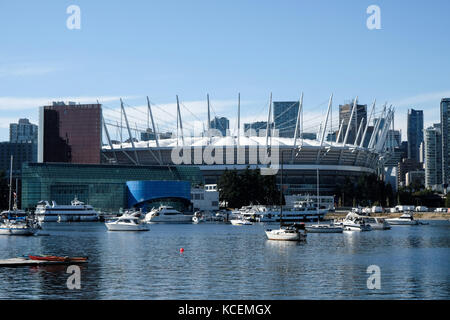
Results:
<point x="281" y="192"/>
<point x="10" y="183"/>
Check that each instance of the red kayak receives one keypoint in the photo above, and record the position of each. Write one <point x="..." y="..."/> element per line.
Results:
<point x="60" y="259"/>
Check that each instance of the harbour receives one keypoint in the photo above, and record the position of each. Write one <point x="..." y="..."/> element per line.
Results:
<point x="222" y="261"/>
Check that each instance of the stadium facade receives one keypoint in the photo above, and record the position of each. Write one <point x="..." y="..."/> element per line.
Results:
<point x="303" y="159"/>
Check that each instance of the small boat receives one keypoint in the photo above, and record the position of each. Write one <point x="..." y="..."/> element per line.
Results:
<point x="127" y="222"/>
<point x="240" y="222"/>
<point x="404" y="219"/>
<point x="377" y="223"/>
<point x="57" y="258"/>
<point x="287" y="233"/>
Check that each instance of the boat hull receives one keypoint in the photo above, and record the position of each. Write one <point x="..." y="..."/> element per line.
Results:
<point x="67" y="218"/>
<point x="279" y="235"/>
<point x="171" y="219"/>
<point x="112" y="226"/>
<point x="313" y="229"/>
<point x="395" y="222"/>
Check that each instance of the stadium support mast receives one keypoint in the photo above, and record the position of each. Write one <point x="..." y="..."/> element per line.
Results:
<point x="181" y="123"/>
<point x="340" y="130"/>
<point x="107" y="136"/>
<point x="129" y="130"/>
<point x="361" y="144"/>
<point x="350" y="121"/>
<point x="359" y="132"/>
<point x="149" y="106"/>
<point x="324" y="129"/>
<point x="268" y="120"/>
<point x="297" y="124"/>
<point x="375" y="129"/>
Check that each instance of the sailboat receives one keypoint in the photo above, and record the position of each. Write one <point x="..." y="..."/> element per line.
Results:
<point x="15" y="221"/>
<point x="290" y="232"/>
<point x="322" y="228"/>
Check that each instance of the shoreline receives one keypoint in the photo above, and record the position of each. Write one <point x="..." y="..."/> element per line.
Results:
<point x="417" y="215"/>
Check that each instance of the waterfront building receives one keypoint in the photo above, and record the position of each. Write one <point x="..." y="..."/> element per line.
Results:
<point x="359" y="115"/>
<point x="22" y="152"/>
<point x="221" y="124"/>
<point x="148" y="135"/>
<point x="414" y="133"/>
<point x="23" y="131"/>
<point x="146" y="195"/>
<point x="433" y="157"/>
<point x="405" y="166"/>
<point x="70" y="133"/>
<point x="102" y="186"/>
<point x="205" y="198"/>
<point x="285" y="116"/>
<point x="445" y="131"/>
<point x="416" y="177"/>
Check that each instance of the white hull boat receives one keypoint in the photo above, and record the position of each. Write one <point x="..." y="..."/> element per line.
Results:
<point x="356" y="227"/>
<point x="127" y="222"/>
<point x="168" y="214"/>
<point x="240" y="222"/>
<point x="404" y="220"/>
<point x="285" y="234"/>
<point x="15" y="228"/>
<point x="77" y="211"/>
<point x="323" y="228"/>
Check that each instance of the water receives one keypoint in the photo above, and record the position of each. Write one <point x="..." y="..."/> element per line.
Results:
<point x="231" y="262"/>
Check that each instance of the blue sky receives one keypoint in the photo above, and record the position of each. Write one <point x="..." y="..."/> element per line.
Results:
<point x="190" y="48"/>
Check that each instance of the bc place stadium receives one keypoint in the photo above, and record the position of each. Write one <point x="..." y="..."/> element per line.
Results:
<point x="336" y="151"/>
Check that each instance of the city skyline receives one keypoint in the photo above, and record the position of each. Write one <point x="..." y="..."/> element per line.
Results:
<point x="161" y="52"/>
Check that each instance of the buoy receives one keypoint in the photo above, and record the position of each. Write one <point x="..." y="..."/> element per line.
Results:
<point x="181" y="250"/>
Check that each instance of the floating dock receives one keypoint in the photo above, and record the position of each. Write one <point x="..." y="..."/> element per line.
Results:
<point x="22" y="262"/>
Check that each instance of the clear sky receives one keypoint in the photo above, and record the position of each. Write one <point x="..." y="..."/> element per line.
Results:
<point x="132" y="49"/>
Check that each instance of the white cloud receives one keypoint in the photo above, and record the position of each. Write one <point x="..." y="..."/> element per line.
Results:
<point x="26" y="69"/>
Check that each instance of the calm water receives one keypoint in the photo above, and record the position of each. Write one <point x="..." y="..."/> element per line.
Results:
<point x="231" y="262"/>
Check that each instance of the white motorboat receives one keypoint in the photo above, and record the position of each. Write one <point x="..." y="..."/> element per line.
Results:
<point x="77" y="211"/>
<point x="404" y="219"/>
<point x="127" y="222"/>
<point x="324" y="228"/>
<point x="354" y="222"/>
<point x="288" y="233"/>
<point x="377" y="223"/>
<point x="240" y="222"/>
<point x="167" y="214"/>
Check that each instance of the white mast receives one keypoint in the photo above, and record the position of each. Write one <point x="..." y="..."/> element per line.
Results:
<point x="239" y="118"/>
<point x="268" y="120"/>
<point x="10" y="182"/>
<point x="181" y="123"/>
<point x="367" y="124"/>
<point x="350" y="121"/>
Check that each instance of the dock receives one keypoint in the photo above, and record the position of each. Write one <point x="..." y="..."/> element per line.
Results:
<point x="22" y="262"/>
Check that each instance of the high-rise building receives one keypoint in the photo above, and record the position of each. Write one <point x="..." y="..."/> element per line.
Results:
<point x="359" y="115"/>
<point x="433" y="156"/>
<point x="414" y="133"/>
<point x="256" y="128"/>
<point x="70" y="133"/>
<point x="221" y="124"/>
<point x="405" y="166"/>
<point x="24" y="131"/>
<point x="445" y="131"/>
<point x="23" y="152"/>
<point x="285" y="117"/>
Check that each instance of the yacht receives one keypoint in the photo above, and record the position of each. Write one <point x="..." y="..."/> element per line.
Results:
<point x="77" y="211"/>
<point x="377" y="223"/>
<point x="239" y="221"/>
<point x="303" y="211"/>
<point x="167" y="214"/>
<point x="354" y="222"/>
<point x="324" y="228"/>
<point x="127" y="222"/>
<point x="404" y="219"/>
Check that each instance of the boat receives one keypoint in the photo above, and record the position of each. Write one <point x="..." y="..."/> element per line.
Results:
<point x="127" y="222"/>
<point x="76" y="211"/>
<point x="324" y="228"/>
<point x="240" y="222"/>
<point x="57" y="258"/>
<point x="377" y="223"/>
<point x="353" y="222"/>
<point x="15" y="221"/>
<point x="404" y="219"/>
<point x="198" y="217"/>
<point x="292" y="232"/>
<point x="303" y="211"/>
<point x="167" y="214"/>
